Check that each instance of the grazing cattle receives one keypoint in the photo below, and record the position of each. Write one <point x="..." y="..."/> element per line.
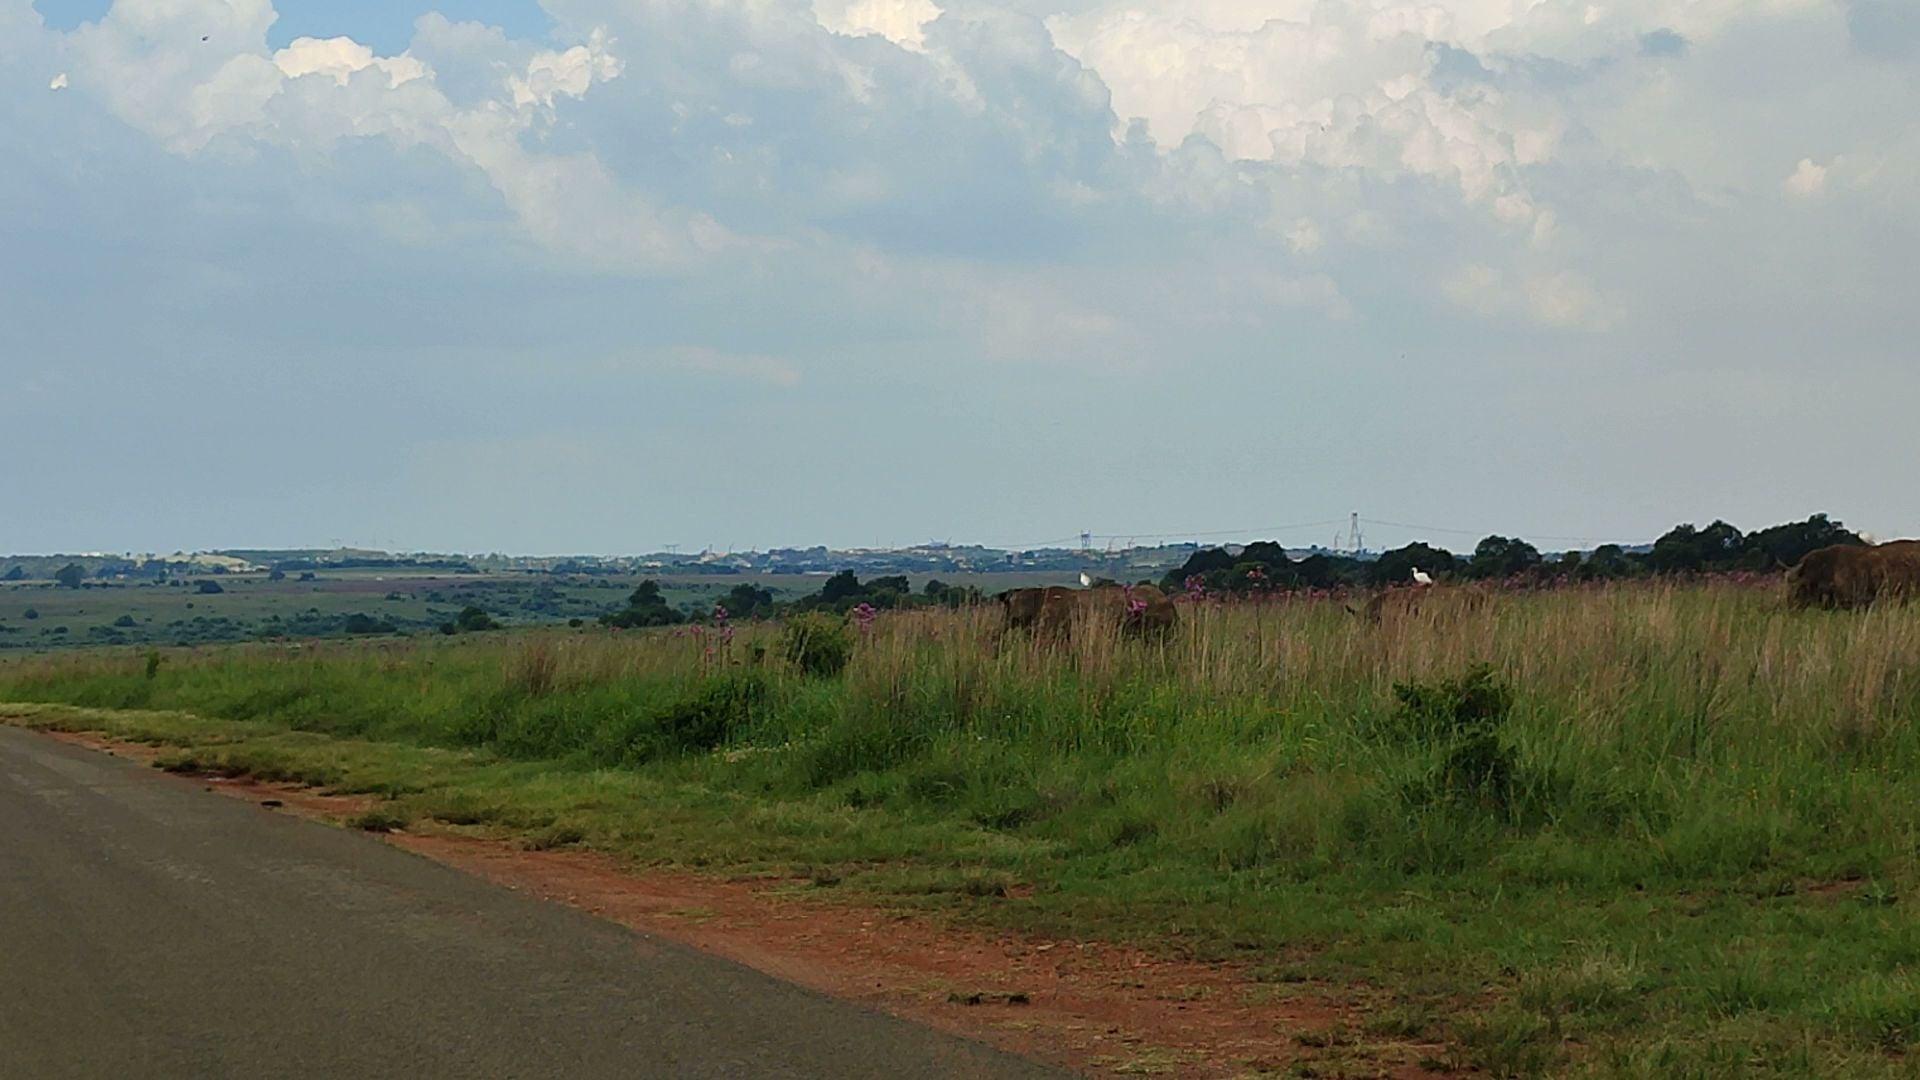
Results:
<point x="1045" y="611"/>
<point x="1408" y="600"/>
<point x="1137" y="611"/>
<point x="1851" y="575"/>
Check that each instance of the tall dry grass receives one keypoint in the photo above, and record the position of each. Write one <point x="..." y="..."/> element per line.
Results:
<point x="1640" y="709"/>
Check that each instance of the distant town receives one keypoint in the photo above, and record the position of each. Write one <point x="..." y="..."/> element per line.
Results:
<point x="934" y="558"/>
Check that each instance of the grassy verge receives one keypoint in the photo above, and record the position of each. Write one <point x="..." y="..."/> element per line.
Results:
<point x="1666" y="831"/>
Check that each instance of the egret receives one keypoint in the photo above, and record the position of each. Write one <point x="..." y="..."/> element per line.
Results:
<point x="59" y="82"/>
<point x="1421" y="577"/>
<point x="1085" y="581"/>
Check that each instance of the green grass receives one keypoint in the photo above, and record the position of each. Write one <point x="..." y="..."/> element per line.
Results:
<point x="1683" y="846"/>
<point x="251" y="606"/>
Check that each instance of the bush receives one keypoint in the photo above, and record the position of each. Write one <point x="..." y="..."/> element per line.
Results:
<point x="1462" y="718"/>
<point x="207" y="587"/>
<point x="31" y="613"/>
<point x="1476" y="703"/>
<point x="710" y="718"/>
<point x="646" y="607"/>
<point x="366" y="624"/>
<point x="819" y="645"/>
<point x="124" y="621"/>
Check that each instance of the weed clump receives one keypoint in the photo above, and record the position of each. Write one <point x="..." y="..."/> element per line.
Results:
<point x="378" y="821"/>
<point x="1460" y="722"/>
<point x="818" y="645"/>
<point x="713" y="715"/>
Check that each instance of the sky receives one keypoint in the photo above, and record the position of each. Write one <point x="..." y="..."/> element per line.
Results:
<point x="601" y="276"/>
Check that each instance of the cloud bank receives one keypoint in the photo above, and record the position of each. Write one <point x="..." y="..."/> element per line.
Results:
<point x="1394" y="224"/>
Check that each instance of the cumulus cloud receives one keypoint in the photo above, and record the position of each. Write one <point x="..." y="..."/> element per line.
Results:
<point x="339" y="58"/>
<point x="1808" y="179"/>
<point x="1191" y="190"/>
<point x="902" y="22"/>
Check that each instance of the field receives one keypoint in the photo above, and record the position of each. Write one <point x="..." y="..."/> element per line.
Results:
<point x="1638" y="830"/>
<point x="39" y="615"/>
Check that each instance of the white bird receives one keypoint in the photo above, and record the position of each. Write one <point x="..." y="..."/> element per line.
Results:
<point x="1421" y="577"/>
<point x="59" y="82"/>
<point x="1085" y="581"/>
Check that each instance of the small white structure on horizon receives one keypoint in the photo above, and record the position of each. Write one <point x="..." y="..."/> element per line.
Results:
<point x="1085" y="581"/>
<point x="1421" y="577"/>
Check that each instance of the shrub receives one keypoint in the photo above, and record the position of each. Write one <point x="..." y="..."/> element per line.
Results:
<point x="207" y="587"/>
<point x="32" y="613"/>
<point x="1462" y="719"/>
<point x="124" y="621"/>
<point x="358" y="623"/>
<point x="819" y="645"/>
<point x="1475" y="703"/>
<point x="711" y="717"/>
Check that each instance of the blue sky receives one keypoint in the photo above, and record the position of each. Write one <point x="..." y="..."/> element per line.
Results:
<point x="386" y="25"/>
<point x="606" y="275"/>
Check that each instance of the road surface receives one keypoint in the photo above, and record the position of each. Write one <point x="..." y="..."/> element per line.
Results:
<point x="148" y="929"/>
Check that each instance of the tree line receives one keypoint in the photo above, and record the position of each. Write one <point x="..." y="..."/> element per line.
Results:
<point x="1685" y="549"/>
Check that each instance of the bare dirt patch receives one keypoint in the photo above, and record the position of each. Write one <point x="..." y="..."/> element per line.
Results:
<point x="1093" y="1006"/>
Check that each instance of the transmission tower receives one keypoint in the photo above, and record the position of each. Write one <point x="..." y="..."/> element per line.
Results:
<point x="1354" y="539"/>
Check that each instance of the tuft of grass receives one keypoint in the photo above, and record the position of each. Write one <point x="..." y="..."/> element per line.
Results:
<point x="552" y="837"/>
<point x="378" y="820"/>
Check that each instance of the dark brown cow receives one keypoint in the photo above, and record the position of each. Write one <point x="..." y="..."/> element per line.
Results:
<point x="1851" y="575"/>
<point x="1139" y="611"/>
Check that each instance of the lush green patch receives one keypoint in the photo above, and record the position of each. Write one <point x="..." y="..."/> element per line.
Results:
<point x="1662" y="831"/>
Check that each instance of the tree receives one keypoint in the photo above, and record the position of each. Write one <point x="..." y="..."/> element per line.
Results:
<point x="746" y="601"/>
<point x="276" y="574"/>
<point x="358" y="623"/>
<point x="124" y="621"/>
<point x="1396" y="567"/>
<point x="471" y="619"/>
<point x="1785" y="545"/>
<point x="841" y="586"/>
<point x="70" y="575"/>
<point x="18" y="573"/>
<point x="1500" y="556"/>
<point x="208" y="587"/>
<point x="888" y="592"/>
<point x="1200" y="564"/>
<point x="646" y="607"/>
<point x="1605" y="562"/>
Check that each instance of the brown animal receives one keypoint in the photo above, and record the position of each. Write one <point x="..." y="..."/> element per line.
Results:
<point x="1410" y="599"/>
<point x="1141" y="611"/>
<point x="1047" y="611"/>
<point x="1850" y="575"/>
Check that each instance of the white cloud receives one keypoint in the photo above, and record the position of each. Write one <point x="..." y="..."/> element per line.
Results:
<point x="902" y="22"/>
<point x="749" y="367"/>
<point x="1559" y="298"/>
<point x="339" y="58"/>
<point x="571" y="73"/>
<point x="1808" y="179"/>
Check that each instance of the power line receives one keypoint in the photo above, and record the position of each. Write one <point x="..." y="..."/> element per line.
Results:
<point x="1477" y="532"/>
<point x="1182" y="535"/>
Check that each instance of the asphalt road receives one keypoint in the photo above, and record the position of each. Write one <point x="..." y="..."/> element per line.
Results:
<point x="148" y="929"/>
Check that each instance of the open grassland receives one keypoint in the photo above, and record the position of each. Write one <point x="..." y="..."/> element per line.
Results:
<point x="36" y="616"/>
<point x="1668" y="831"/>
